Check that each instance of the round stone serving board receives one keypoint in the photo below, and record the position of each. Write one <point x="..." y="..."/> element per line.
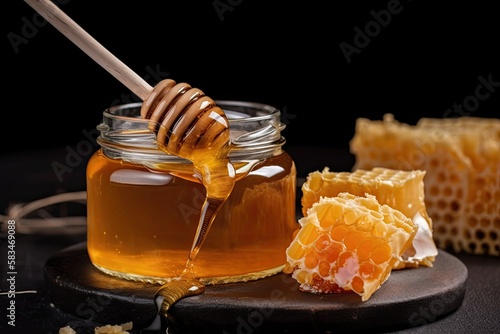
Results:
<point x="410" y="297"/>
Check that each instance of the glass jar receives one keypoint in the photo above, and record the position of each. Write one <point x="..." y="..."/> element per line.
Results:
<point x="144" y="204"/>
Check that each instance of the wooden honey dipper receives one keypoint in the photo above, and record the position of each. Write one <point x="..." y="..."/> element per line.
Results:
<point x="187" y="118"/>
<point x="186" y="122"/>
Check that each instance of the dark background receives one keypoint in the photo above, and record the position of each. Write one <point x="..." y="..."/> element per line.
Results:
<point x="426" y="58"/>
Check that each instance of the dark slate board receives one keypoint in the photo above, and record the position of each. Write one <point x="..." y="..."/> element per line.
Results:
<point x="409" y="298"/>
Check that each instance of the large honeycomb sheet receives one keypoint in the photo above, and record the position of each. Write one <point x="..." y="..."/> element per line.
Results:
<point x="461" y="157"/>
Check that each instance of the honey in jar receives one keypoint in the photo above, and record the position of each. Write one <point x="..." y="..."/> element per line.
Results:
<point x="144" y="204"/>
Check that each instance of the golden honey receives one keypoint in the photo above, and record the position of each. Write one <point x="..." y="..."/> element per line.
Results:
<point x="144" y="204"/>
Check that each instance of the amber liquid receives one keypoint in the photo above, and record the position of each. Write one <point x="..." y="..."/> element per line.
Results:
<point x="142" y="221"/>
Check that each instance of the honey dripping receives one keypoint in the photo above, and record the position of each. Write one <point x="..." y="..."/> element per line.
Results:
<point x="190" y="125"/>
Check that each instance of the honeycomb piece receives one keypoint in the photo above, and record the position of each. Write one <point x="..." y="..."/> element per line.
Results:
<point x="461" y="157"/>
<point x="348" y="243"/>
<point x="401" y="190"/>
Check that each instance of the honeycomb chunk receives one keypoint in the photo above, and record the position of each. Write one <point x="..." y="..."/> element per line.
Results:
<point x="461" y="157"/>
<point x="348" y="243"/>
<point x="401" y="190"/>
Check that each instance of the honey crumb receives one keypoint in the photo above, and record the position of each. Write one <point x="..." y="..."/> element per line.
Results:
<point x="114" y="329"/>
<point x="107" y="329"/>
<point x="66" y="330"/>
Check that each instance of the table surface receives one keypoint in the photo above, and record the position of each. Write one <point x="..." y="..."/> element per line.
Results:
<point x="26" y="177"/>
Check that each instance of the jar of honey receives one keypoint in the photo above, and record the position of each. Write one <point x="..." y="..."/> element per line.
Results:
<point x="144" y="204"/>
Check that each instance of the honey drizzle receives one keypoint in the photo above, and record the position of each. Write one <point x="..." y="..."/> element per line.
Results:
<point x="218" y="177"/>
<point x="188" y="124"/>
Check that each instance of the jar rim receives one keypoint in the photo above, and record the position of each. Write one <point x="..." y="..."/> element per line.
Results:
<point x="253" y="127"/>
<point x="260" y="110"/>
